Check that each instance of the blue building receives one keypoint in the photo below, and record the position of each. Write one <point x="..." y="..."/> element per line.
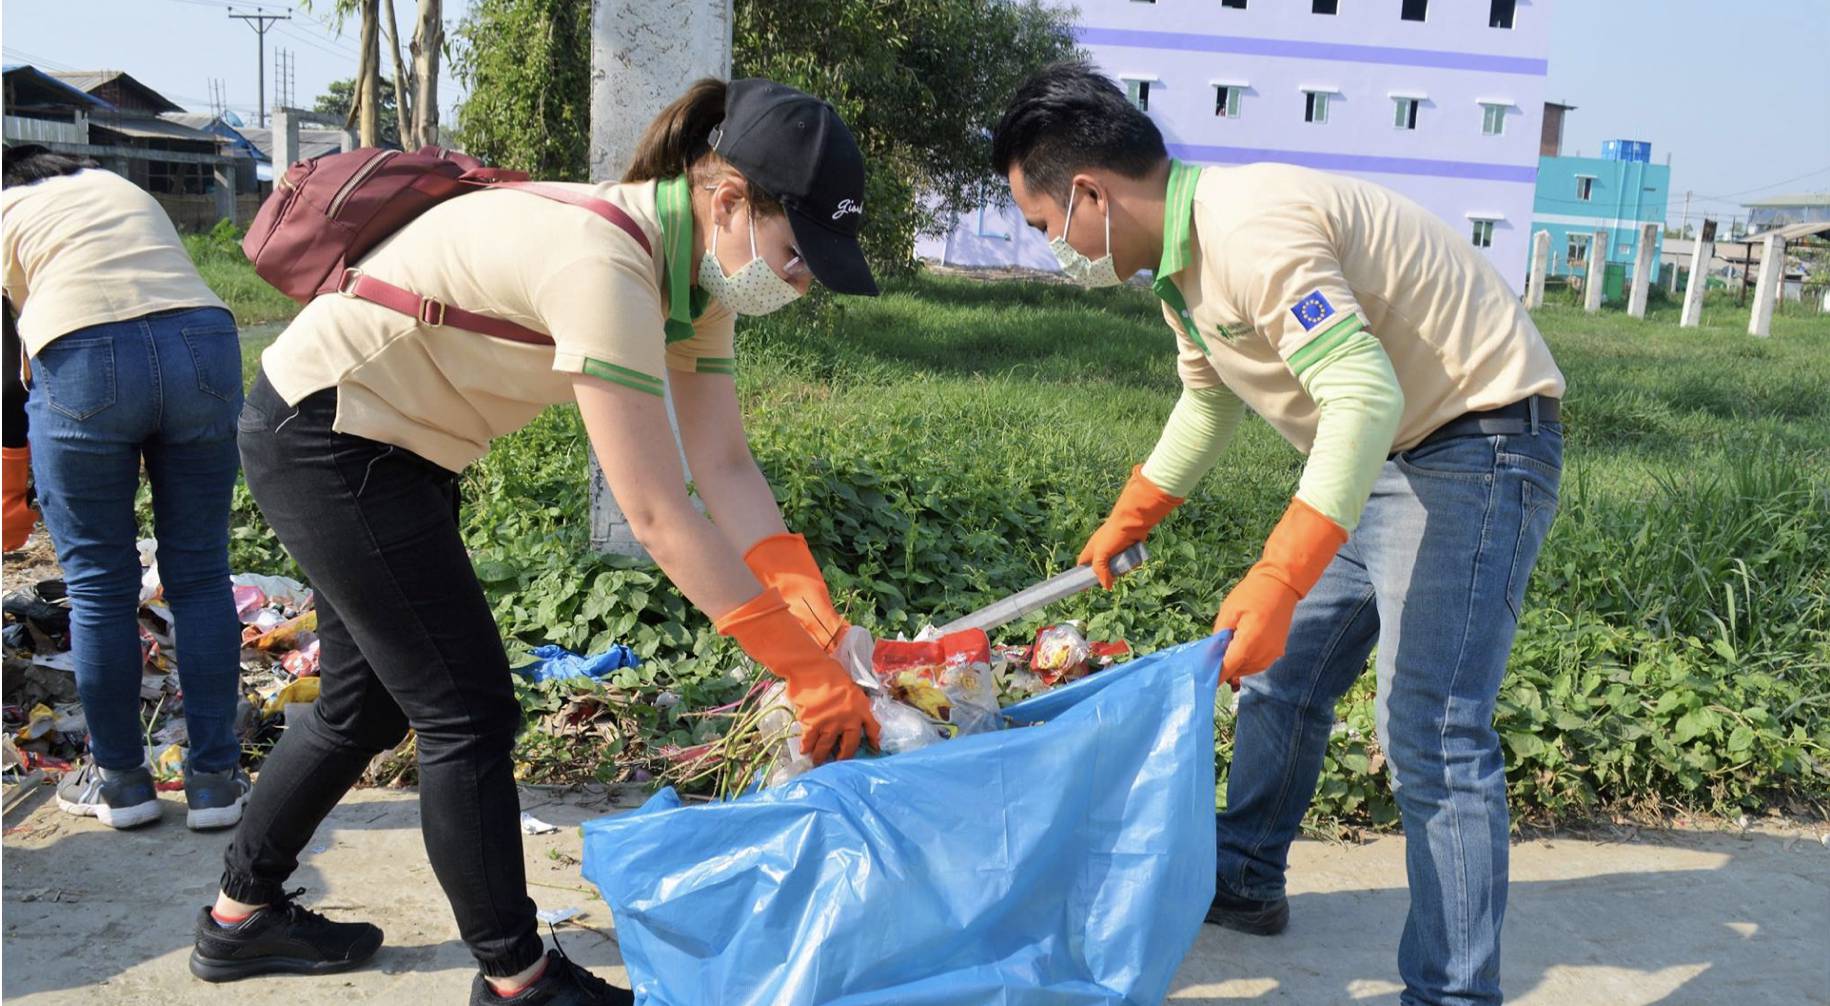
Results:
<point x="1617" y="192"/>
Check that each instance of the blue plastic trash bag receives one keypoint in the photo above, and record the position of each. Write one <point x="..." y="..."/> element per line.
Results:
<point x="555" y="662"/>
<point x="1064" y="863"/>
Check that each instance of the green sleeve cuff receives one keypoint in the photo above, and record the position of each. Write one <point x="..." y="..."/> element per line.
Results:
<point x="1360" y="405"/>
<point x="1193" y="439"/>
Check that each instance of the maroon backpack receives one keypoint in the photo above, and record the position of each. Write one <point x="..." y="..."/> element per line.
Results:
<point x="327" y="212"/>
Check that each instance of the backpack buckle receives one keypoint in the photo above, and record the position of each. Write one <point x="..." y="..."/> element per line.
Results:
<point x="431" y="312"/>
<point x="346" y="283"/>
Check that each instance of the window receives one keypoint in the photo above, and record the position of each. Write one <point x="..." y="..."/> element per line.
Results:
<point x="1585" y="187"/>
<point x="1579" y="248"/>
<point x="1483" y="233"/>
<point x="1500" y="14"/>
<point x="1315" y="106"/>
<point x="1326" y="6"/>
<point x="1407" y="113"/>
<point x="1493" y="119"/>
<point x="1413" y="10"/>
<point x="1226" y="100"/>
<point x="1234" y="4"/>
<point x="1138" y="92"/>
<point x="1624" y="249"/>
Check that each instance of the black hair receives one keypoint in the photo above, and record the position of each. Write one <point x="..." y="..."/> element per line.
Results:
<point x="1068" y="117"/>
<point x="30" y="163"/>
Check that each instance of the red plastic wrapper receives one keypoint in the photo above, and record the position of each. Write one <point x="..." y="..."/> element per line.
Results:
<point x="948" y="679"/>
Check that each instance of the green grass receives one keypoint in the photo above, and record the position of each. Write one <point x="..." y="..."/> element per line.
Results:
<point x="218" y="256"/>
<point x="951" y="441"/>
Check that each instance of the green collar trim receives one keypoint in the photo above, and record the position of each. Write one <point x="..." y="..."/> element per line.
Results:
<point x="1178" y="243"/>
<point x="674" y="205"/>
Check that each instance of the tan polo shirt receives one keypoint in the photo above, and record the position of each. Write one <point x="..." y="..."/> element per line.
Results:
<point x="1283" y="263"/>
<point x="444" y="393"/>
<point x="89" y="249"/>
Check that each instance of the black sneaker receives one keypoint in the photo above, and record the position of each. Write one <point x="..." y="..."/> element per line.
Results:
<point x="563" y="984"/>
<point x="280" y="939"/>
<point x="1248" y="915"/>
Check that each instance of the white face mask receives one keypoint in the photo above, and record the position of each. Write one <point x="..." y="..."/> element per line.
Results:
<point x="1090" y="273"/>
<point x="754" y="289"/>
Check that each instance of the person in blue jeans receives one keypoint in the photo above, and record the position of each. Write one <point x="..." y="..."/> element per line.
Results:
<point x="1383" y="345"/>
<point x="132" y="361"/>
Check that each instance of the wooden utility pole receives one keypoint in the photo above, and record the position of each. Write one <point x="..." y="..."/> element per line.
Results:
<point x="632" y="79"/>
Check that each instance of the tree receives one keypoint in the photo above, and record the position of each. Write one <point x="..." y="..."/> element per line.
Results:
<point x="339" y="97"/>
<point x="410" y="117"/>
<point x="920" y="82"/>
<point x="428" y="46"/>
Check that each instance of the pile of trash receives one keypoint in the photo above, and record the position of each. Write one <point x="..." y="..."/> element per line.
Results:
<point x="922" y="691"/>
<point x="43" y="718"/>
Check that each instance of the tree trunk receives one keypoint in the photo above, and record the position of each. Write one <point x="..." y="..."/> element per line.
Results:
<point x="402" y="117"/>
<point x="428" y="43"/>
<point x="368" y="77"/>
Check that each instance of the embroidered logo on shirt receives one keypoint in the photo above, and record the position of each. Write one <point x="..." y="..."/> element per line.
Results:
<point x="1312" y="310"/>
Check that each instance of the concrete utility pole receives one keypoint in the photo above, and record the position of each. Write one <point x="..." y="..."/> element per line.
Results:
<point x="1642" y="269"/>
<point x="260" y="23"/>
<point x="1540" y="264"/>
<point x="1700" y="255"/>
<point x="1772" y="277"/>
<point x="1598" y="269"/>
<point x="643" y="54"/>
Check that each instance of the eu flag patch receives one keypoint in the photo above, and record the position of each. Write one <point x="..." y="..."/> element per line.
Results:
<point x="1313" y="310"/>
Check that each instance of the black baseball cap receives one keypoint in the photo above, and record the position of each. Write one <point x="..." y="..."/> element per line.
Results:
<point x="797" y="149"/>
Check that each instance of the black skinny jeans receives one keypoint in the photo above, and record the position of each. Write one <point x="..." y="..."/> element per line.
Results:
<point x="407" y="639"/>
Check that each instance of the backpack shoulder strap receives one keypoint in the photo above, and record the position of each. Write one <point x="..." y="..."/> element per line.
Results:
<point x="602" y="207"/>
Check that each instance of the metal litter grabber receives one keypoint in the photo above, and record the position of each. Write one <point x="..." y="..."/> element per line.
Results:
<point x="1055" y="588"/>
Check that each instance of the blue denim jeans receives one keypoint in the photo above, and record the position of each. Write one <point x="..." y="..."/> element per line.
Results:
<point x="1435" y="575"/>
<point x="164" y="389"/>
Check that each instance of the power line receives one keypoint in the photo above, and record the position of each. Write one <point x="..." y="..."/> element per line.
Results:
<point x="1774" y="185"/>
<point x="261" y="22"/>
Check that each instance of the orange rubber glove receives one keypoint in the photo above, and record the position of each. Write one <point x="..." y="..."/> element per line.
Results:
<point x="784" y="561"/>
<point x="18" y="517"/>
<point x="832" y="709"/>
<point x="1141" y="507"/>
<point x="1259" y="607"/>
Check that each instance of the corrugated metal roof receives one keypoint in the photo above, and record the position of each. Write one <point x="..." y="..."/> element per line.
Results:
<point x="78" y="95"/>
<point x="1796" y="199"/>
<point x="148" y="128"/>
<point x="195" y="120"/>
<point x="312" y="142"/>
<point x="89" y="80"/>
<point x="1792" y="232"/>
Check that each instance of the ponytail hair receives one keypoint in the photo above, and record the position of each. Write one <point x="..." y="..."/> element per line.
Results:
<point x="680" y="136"/>
<point x="678" y="142"/>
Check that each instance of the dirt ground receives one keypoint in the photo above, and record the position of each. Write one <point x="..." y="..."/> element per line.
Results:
<point x="95" y="916"/>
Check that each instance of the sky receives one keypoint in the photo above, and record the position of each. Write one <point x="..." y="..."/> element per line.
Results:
<point x="177" y="46"/>
<point x="1733" y="93"/>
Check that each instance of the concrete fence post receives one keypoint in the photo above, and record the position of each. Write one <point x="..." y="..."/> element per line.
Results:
<point x="1766" y="291"/>
<point x="1642" y="270"/>
<point x="1598" y="271"/>
<point x="1540" y="264"/>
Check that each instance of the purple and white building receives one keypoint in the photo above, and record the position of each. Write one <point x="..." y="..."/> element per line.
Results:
<point x="1441" y="100"/>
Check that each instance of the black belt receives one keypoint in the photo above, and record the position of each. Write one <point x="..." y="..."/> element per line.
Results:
<point x="1521" y="416"/>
